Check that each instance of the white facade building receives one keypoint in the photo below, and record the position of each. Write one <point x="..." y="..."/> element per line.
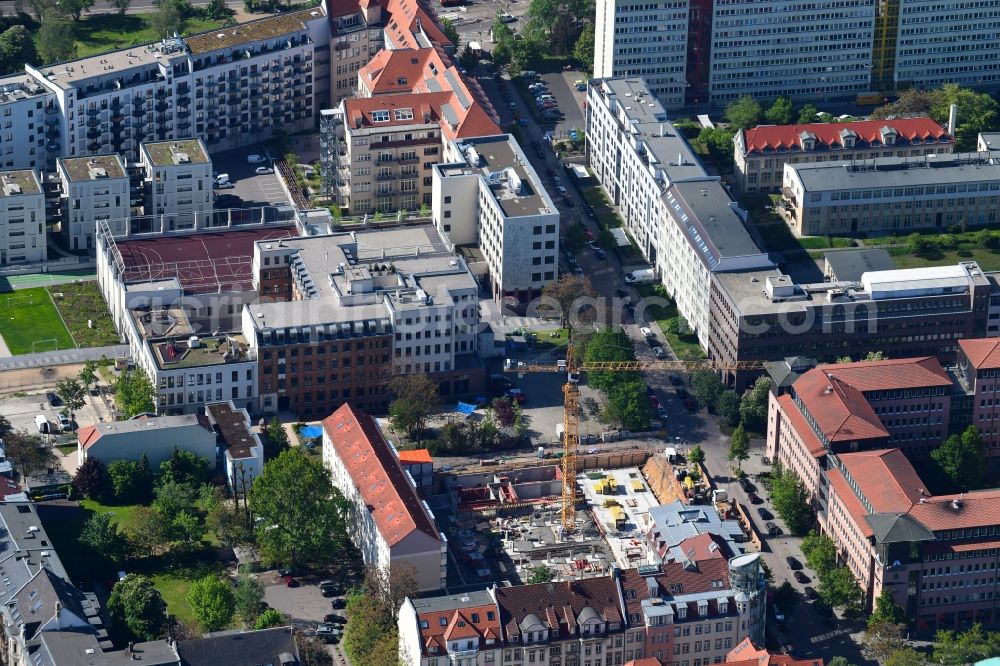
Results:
<point x="390" y="524"/>
<point x="493" y="199"/>
<point x="682" y="219"/>
<point x="156" y="438"/>
<point x="178" y="180"/>
<point x="94" y="189"/>
<point x="22" y="212"/>
<point x="647" y="40"/>
<point x="29" y="124"/>
<point x="243" y="451"/>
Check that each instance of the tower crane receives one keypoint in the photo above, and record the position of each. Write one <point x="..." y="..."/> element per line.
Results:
<point x="571" y="404"/>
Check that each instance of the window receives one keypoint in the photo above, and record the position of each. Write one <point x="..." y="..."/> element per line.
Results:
<point x="380" y="116"/>
<point x="404" y="114"/>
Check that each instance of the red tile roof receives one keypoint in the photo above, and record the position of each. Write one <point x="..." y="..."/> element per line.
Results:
<point x="841" y="412"/>
<point x="558" y="604"/>
<point x="460" y="623"/>
<point x="976" y="509"/>
<point x="377" y="474"/>
<point x="748" y="654"/>
<point x="982" y="353"/>
<point x="406" y="20"/>
<point x="755" y="140"/>
<point x="645" y="661"/>
<point x="960" y="546"/>
<point x="415" y="456"/>
<point x="886" y="479"/>
<point x="705" y="547"/>
<point x="400" y="70"/>
<point x="800" y="426"/>
<point x="88" y="435"/>
<point x="890" y="374"/>
<point x="424" y="109"/>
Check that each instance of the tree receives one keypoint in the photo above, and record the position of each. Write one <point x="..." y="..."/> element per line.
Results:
<point x="838" y="588"/>
<point x="186" y="527"/>
<point x="230" y="523"/>
<point x="556" y="24"/>
<point x="389" y="587"/>
<point x="91" y="479"/>
<point x="753" y="406"/>
<point x="574" y="298"/>
<point x="977" y="112"/>
<point x="212" y="602"/>
<point x="786" y="598"/>
<point x="167" y="19"/>
<point x="75" y="8"/>
<point x="17" y="48"/>
<point x="71" y="392"/>
<point x="707" y="388"/>
<point x="541" y="574"/>
<point x="791" y="500"/>
<point x="807" y="114"/>
<point x="217" y="9"/>
<point x="129" y="482"/>
<point x="300" y="512"/>
<point x="886" y="610"/>
<point x="744" y="113"/>
<point x="121" y="6"/>
<point x="88" y="373"/>
<point x="739" y="448"/>
<point x="28" y="452"/>
<point x="820" y="552"/>
<point x="962" y="459"/>
<point x="449" y="30"/>
<point x="101" y="535"/>
<point x="696" y="456"/>
<point x="137" y="604"/>
<point x="719" y="142"/>
<point x="148" y="532"/>
<point x="906" y="656"/>
<point x="277" y="439"/>
<point x="576" y="238"/>
<point x="171" y="498"/>
<point x="467" y="59"/>
<point x="583" y="51"/>
<point x="248" y="597"/>
<point x="269" y="618"/>
<point x="56" y="41"/>
<point x="727" y="407"/>
<point x="184" y="467"/>
<point x="883" y="639"/>
<point x="970" y="646"/>
<point x="371" y="631"/>
<point x="503" y="412"/>
<point x="134" y="392"/>
<point x="780" y="112"/>
<point x="414" y="399"/>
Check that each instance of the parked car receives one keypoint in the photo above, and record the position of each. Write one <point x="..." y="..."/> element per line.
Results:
<point x="260" y="171"/>
<point x="801" y="577"/>
<point x="676" y="380"/>
<point x="334" y="618"/>
<point x="747" y="485"/>
<point x="773" y="530"/>
<point x="568" y="200"/>
<point x="228" y="201"/>
<point x="793" y="563"/>
<point x="330" y="589"/>
<point x="517" y="394"/>
<point x="778" y="615"/>
<point x="659" y="353"/>
<point x="256" y="159"/>
<point x="810" y="593"/>
<point x="754" y="498"/>
<point x="661" y="412"/>
<point x="646" y="331"/>
<point x="338" y="604"/>
<point x="64" y="423"/>
<point x="290" y="581"/>
<point x="600" y="254"/>
<point x="505" y="17"/>
<point x="224" y="185"/>
<point x="53" y="399"/>
<point x="764" y="513"/>
<point x="580" y="85"/>
<point x="590" y="235"/>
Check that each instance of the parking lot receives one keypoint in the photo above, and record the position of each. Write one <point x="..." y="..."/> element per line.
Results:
<point x="569" y="99"/>
<point x="252" y="188"/>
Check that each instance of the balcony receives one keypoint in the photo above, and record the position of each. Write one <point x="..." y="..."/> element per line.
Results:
<point x="94" y="133"/>
<point x="161" y="94"/>
<point x="161" y="107"/>
<point x="162" y="119"/>
<point x="93" y="111"/>
<point x="184" y="113"/>
<point x="385" y="176"/>
<point x="138" y="111"/>
<point x="409" y="159"/>
<point x="52" y="133"/>
<point x="457" y="655"/>
<point x="93" y="122"/>
<point x="51" y="120"/>
<point x="94" y="146"/>
<point x="52" y="109"/>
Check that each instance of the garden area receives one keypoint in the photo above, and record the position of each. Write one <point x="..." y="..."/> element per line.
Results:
<point x="30" y="322"/>
<point x="100" y="33"/>
<point x="79" y="303"/>
<point x="675" y="328"/>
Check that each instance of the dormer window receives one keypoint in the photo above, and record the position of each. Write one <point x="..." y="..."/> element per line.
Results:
<point x="682" y="611"/>
<point x="444" y="621"/>
<point x="433" y="649"/>
<point x="723" y="606"/>
<point x="490" y="615"/>
<point x="423" y="624"/>
<point x="475" y="617"/>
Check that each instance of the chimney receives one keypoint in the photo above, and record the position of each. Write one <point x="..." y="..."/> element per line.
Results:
<point x="952" y="119"/>
<point x="58" y="616"/>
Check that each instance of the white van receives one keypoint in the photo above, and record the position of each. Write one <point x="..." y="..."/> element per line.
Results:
<point x="42" y="424"/>
<point x="642" y="275"/>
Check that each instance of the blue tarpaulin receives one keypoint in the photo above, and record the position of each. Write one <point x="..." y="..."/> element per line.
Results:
<point x="465" y="408"/>
<point x="311" y="431"/>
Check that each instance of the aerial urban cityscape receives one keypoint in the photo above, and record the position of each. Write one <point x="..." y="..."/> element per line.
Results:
<point x="499" y="333"/>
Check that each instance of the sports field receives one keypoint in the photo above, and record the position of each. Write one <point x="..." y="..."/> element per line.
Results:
<point x="30" y="323"/>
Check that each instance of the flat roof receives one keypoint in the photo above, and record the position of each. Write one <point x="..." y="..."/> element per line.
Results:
<point x="15" y="183"/>
<point x="233" y="425"/>
<point x="93" y="167"/>
<point x="254" y="31"/>
<point x="849" y="265"/>
<point x="719" y="222"/>
<point x="19" y="87"/>
<point x="897" y="171"/>
<point x="169" y="153"/>
<point x="496" y="155"/>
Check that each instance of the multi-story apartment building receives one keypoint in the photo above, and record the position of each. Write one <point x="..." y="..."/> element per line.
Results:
<point x="29" y="125"/>
<point x="681" y="614"/>
<point x="977" y="368"/>
<point x="682" y="219"/>
<point x="643" y="40"/>
<point x="355" y="37"/>
<point x="891" y="195"/>
<point x="390" y="524"/>
<point x="244" y="452"/>
<point x="178" y="181"/>
<point x="348" y="311"/>
<point x="765" y="316"/>
<point x="493" y="199"/>
<point x="414" y="104"/>
<point x="94" y="190"/>
<point x="762" y="152"/>
<point x="22" y="210"/>
<point x="232" y="87"/>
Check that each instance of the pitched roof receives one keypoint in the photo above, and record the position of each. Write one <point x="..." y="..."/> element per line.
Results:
<point x="379" y="477"/>
<point x="90" y="435"/>
<point x="35" y="603"/>
<point x="457" y="622"/>
<point x="982" y="353"/>
<point x="705" y="547"/>
<point x="645" y="661"/>
<point x="241" y="648"/>
<point x="413" y="456"/>
<point x="408" y="23"/>
<point x="840" y="411"/>
<point x="886" y="479"/>
<point x="897" y="528"/>
<point x="800" y="426"/>
<point x="87" y="435"/>
<point x="956" y="512"/>
<point x="890" y="374"/>
<point x="400" y="70"/>
<point x="846" y="496"/>
<point x="826" y="134"/>
<point x="748" y="654"/>
<point x="558" y="604"/>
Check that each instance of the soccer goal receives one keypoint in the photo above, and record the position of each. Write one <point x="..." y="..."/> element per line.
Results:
<point x="20" y="301"/>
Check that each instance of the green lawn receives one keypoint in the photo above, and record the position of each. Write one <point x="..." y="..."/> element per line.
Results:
<point x="121" y="515"/>
<point x="175" y="582"/>
<point x="556" y="338"/>
<point x="101" y="33"/>
<point x="82" y="302"/>
<point x="606" y="215"/>
<point x="684" y="346"/>
<point x="28" y="317"/>
<point x="987" y="260"/>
